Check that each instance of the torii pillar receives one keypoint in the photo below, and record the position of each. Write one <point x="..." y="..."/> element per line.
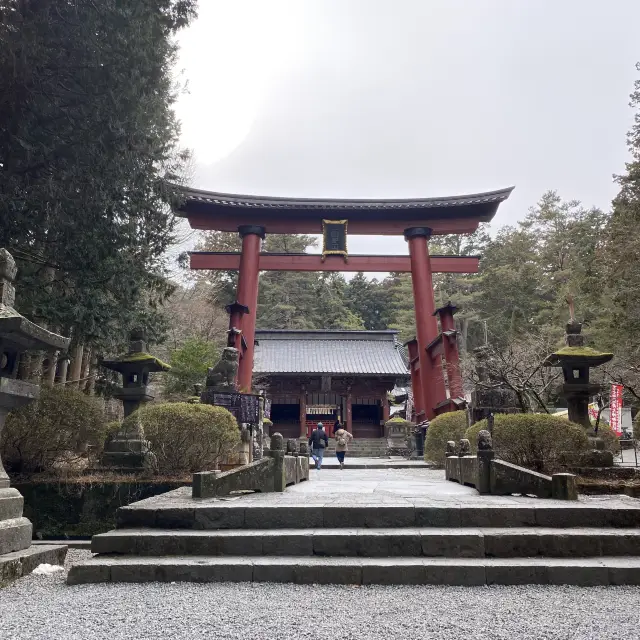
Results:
<point x="431" y="376"/>
<point x="244" y="310"/>
<point x="450" y="348"/>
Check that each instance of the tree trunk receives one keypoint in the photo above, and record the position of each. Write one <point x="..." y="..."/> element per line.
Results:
<point x="93" y="369"/>
<point x="76" y="367"/>
<point x="464" y="335"/>
<point x="63" y="371"/>
<point x="84" y="374"/>
<point x="50" y="373"/>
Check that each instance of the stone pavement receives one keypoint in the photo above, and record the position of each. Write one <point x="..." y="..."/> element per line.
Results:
<point x="331" y="462"/>
<point x="400" y="486"/>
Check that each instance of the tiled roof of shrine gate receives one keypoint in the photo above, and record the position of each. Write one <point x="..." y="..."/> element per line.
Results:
<point x="372" y="353"/>
<point x="270" y="202"/>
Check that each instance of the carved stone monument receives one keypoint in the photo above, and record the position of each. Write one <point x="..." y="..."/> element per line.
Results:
<point x="489" y="395"/>
<point x="398" y="432"/>
<point x="18" y="335"/>
<point x="129" y="450"/>
<point x="222" y="376"/>
<point x="222" y="391"/>
<point x="485" y="456"/>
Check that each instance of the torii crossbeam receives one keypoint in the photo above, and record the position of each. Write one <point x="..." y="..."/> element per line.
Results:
<point x="229" y="261"/>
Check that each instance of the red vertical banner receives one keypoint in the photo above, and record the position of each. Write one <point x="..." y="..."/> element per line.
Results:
<point x="615" y="409"/>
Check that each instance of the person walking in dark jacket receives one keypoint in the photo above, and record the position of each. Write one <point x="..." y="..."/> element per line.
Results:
<point x="318" y="441"/>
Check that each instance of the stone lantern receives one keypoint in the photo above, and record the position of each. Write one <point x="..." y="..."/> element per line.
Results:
<point x="576" y="360"/>
<point x="17" y="336"/>
<point x="129" y="449"/>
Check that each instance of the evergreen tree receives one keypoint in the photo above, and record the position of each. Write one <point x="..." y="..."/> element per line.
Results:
<point x="366" y="299"/>
<point x="288" y="299"/>
<point x="623" y="245"/>
<point x="88" y="149"/>
<point x="401" y="312"/>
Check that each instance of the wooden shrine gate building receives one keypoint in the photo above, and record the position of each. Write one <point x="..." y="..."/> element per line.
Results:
<point x="319" y="376"/>
<point x="435" y="375"/>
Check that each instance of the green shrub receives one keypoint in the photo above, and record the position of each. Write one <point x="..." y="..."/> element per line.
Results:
<point x="532" y="440"/>
<point x="186" y="437"/>
<point x="611" y="440"/>
<point x="62" y="420"/>
<point x="189" y="366"/>
<point x="445" y="427"/>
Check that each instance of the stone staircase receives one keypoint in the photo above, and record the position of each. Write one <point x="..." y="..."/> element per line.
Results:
<point x="174" y="538"/>
<point x="362" y="447"/>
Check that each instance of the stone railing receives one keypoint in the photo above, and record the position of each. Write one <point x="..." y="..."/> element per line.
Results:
<point x="275" y="472"/>
<point x="490" y="475"/>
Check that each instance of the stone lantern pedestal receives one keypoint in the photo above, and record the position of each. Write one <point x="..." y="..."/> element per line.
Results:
<point x="129" y="450"/>
<point x="18" y="335"/>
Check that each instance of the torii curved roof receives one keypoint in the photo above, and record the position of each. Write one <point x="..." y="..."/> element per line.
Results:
<point x="272" y="202"/>
<point x="210" y="210"/>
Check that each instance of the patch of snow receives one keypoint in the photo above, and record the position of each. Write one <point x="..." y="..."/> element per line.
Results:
<point x="47" y="569"/>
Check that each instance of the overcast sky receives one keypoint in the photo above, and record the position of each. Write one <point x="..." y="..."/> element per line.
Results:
<point x="402" y="98"/>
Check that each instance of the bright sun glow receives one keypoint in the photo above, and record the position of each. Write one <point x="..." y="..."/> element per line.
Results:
<point x="228" y="57"/>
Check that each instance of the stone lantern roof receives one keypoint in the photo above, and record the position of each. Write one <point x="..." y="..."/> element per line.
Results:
<point x="575" y="354"/>
<point x="136" y="358"/>
<point x="578" y="357"/>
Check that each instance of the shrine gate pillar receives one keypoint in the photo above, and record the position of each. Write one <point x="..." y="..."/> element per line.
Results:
<point x="450" y="347"/>
<point x="247" y="296"/>
<point x="431" y="377"/>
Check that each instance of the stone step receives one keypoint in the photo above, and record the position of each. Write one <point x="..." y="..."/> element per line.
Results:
<point x="21" y="563"/>
<point x="389" y="542"/>
<point x="355" y="571"/>
<point x="176" y="510"/>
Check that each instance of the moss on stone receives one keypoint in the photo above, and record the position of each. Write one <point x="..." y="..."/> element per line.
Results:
<point x="398" y="420"/>
<point x="140" y="357"/>
<point x="581" y="352"/>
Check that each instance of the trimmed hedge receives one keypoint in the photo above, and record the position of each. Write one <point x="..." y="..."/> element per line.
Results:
<point x="60" y="422"/>
<point x="445" y="427"/>
<point x="186" y="437"/>
<point x="532" y="440"/>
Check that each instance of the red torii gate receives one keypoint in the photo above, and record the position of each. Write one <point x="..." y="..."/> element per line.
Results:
<point x="417" y="219"/>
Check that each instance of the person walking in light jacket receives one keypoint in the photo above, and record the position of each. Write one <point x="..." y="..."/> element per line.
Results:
<point x="343" y="437"/>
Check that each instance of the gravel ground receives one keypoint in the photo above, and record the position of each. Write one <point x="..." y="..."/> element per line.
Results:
<point x="43" y="607"/>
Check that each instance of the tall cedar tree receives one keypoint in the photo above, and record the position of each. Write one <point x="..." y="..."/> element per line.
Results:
<point x="88" y="145"/>
<point x="623" y="249"/>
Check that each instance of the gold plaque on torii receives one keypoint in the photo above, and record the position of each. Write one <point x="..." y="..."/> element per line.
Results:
<point x="334" y="239"/>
